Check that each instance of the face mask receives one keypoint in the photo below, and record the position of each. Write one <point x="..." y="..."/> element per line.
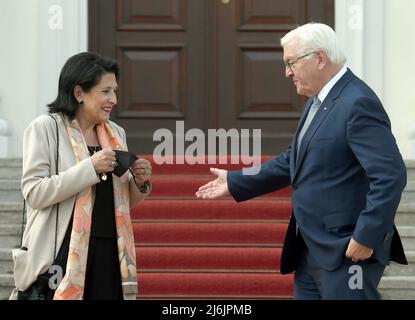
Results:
<point x="124" y="160"/>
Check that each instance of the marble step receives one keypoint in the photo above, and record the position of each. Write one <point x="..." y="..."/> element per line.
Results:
<point x="397" y="288"/>
<point x="405" y="216"/>
<point x="408" y="195"/>
<point x="410" y="166"/>
<point x="407" y="234"/>
<point x="6" y="261"/>
<point x="10" y="235"/>
<point x="11" y="169"/>
<point x="6" y="286"/>
<point x="395" y="269"/>
<point x="11" y="212"/>
<point x="10" y="190"/>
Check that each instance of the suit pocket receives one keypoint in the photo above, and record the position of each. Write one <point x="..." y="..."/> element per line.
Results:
<point x="20" y="261"/>
<point x="341" y="223"/>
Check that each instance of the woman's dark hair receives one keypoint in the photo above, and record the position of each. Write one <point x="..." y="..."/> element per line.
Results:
<point x="84" y="69"/>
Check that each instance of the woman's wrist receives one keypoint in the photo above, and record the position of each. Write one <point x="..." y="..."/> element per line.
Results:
<point x="143" y="187"/>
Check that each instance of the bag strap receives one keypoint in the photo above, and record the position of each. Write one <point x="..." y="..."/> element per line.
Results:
<point x="23" y="223"/>
<point x="57" y="172"/>
<point x="57" y="205"/>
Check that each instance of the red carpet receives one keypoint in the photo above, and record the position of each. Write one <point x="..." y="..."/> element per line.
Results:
<point x="172" y="185"/>
<point x="208" y="249"/>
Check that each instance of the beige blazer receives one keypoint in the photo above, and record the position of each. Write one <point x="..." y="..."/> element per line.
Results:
<point x="43" y="189"/>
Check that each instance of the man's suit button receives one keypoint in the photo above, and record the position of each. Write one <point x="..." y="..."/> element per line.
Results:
<point x="295" y="186"/>
<point x="386" y="239"/>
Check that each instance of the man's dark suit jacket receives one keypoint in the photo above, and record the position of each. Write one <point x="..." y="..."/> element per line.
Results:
<point x="347" y="181"/>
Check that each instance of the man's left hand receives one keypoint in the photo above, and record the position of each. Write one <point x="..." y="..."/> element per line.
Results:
<point x="356" y="251"/>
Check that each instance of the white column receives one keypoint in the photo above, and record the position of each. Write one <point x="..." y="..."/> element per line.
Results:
<point x="63" y="32"/>
<point x="40" y="37"/>
<point x="399" y="72"/>
<point x="4" y="139"/>
<point x="411" y="154"/>
<point x="359" y="25"/>
<point x="349" y="18"/>
<point x="18" y="66"/>
<point x="376" y="35"/>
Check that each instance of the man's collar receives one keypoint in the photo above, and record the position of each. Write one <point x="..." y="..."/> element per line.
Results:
<point x="329" y="85"/>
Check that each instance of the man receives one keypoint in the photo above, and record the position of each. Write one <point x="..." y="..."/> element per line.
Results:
<point x="346" y="173"/>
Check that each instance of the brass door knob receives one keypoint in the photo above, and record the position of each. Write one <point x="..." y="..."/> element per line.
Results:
<point x="226" y="1"/>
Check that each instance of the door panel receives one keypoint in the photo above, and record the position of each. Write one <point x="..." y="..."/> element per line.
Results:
<point x="154" y="83"/>
<point x="159" y="47"/>
<point x="151" y="15"/>
<point x="269" y="15"/>
<point x="209" y="63"/>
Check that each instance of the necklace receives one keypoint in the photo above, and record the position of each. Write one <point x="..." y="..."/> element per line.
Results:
<point x="92" y="150"/>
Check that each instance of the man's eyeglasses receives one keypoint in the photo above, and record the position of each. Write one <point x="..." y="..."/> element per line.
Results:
<point x="289" y="64"/>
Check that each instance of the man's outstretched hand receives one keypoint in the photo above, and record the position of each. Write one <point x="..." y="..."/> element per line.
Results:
<point x="215" y="189"/>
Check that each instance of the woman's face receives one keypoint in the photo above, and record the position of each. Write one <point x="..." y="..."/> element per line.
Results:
<point x="99" y="101"/>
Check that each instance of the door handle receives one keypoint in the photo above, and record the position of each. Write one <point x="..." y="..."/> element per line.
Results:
<point x="226" y="1"/>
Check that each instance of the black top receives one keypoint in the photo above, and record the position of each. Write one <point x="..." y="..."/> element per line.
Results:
<point x="103" y="278"/>
<point x="103" y="219"/>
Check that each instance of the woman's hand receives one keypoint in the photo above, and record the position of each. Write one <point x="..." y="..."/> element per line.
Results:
<point x="104" y="161"/>
<point x="141" y="169"/>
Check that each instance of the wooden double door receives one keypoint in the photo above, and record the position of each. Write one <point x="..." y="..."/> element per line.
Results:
<point x="206" y="64"/>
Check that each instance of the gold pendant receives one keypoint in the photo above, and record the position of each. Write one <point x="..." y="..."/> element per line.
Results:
<point x="104" y="177"/>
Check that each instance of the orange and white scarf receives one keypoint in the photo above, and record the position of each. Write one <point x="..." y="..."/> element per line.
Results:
<point x="72" y="284"/>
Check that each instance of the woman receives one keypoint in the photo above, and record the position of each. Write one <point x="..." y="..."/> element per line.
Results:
<point x="94" y="231"/>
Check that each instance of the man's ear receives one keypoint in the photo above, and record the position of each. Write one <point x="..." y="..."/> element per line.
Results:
<point x="323" y="59"/>
<point x="78" y="93"/>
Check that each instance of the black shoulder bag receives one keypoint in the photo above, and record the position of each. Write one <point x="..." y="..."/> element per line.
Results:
<point x="42" y="289"/>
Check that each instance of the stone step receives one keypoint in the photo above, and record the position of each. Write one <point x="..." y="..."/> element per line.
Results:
<point x="6" y="254"/>
<point x="395" y="269"/>
<point x="11" y="212"/>
<point x="407" y="234"/>
<point x="408" y="194"/>
<point x="10" y="235"/>
<point x="6" y="261"/>
<point x="410" y="166"/>
<point x="6" y="286"/>
<point x="11" y="169"/>
<point x="405" y="216"/>
<point x="397" y="288"/>
<point x="10" y="190"/>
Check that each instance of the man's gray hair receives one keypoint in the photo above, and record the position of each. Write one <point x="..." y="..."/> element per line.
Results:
<point x="316" y="36"/>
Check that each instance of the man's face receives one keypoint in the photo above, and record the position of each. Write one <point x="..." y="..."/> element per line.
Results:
<point x="302" y="72"/>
